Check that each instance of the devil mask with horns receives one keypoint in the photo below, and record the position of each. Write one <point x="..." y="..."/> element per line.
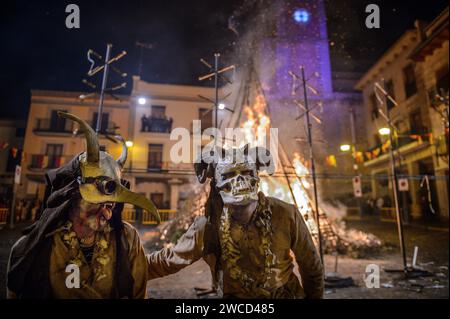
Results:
<point x="100" y="179"/>
<point x="235" y="172"/>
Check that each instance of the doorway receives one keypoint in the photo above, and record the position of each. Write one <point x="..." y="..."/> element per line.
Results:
<point x="157" y="199"/>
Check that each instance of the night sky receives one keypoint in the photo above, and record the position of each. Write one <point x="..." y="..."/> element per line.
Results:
<point x="39" y="52"/>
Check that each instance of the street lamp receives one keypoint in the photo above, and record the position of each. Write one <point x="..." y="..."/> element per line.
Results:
<point x="129" y="144"/>
<point x="345" y="147"/>
<point x="142" y="100"/>
<point x="385" y="131"/>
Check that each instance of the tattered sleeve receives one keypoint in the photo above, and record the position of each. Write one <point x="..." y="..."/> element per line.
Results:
<point x="307" y="257"/>
<point x="188" y="249"/>
<point x="138" y="263"/>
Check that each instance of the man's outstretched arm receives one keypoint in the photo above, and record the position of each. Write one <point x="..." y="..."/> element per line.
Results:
<point x="188" y="250"/>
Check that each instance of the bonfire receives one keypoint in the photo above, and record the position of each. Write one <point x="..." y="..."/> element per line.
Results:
<point x="290" y="184"/>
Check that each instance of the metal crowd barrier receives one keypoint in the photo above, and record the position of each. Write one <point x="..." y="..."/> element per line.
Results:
<point x="129" y="215"/>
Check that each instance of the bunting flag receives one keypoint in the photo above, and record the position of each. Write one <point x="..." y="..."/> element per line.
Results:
<point x="44" y="161"/>
<point x="385" y="146"/>
<point x="417" y="137"/>
<point x="430" y="138"/>
<point x="58" y="161"/>
<point x="359" y="157"/>
<point x="331" y="160"/>
<point x="376" y="152"/>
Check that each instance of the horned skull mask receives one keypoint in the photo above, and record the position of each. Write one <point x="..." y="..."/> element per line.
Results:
<point x="100" y="180"/>
<point x="235" y="172"/>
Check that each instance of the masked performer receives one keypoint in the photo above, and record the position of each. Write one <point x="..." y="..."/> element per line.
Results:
<point x="246" y="237"/>
<point x="81" y="225"/>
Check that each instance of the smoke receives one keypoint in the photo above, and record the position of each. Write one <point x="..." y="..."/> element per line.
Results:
<point x="251" y="22"/>
<point x="334" y="212"/>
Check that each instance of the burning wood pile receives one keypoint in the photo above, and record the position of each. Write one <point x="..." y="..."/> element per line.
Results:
<point x="352" y="242"/>
<point x="169" y="232"/>
<point x="291" y="184"/>
<point x="335" y="235"/>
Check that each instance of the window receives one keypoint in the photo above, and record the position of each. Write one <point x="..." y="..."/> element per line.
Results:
<point x="54" y="149"/>
<point x="158" y="111"/>
<point x="157" y="121"/>
<point x="416" y="123"/>
<point x="157" y="199"/>
<point x="409" y="79"/>
<point x="442" y="80"/>
<point x="57" y="124"/>
<point x="389" y="87"/>
<point x="54" y="153"/>
<point x="155" y="152"/>
<point x="104" y="122"/>
<point x="373" y="106"/>
<point x="205" y="116"/>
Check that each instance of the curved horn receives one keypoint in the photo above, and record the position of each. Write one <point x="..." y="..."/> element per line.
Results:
<point x="123" y="156"/>
<point x="93" y="149"/>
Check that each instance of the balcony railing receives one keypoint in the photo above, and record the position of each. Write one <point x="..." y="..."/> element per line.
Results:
<point x="168" y="166"/>
<point x="49" y="126"/>
<point x="143" y="167"/>
<point x="109" y="128"/>
<point x="420" y="134"/>
<point x="42" y="161"/>
<point x="156" y="125"/>
<point x="155" y="166"/>
<point x="67" y="127"/>
<point x="145" y="218"/>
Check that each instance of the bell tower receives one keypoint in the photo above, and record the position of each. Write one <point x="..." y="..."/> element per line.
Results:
<point x="300" y="38"/>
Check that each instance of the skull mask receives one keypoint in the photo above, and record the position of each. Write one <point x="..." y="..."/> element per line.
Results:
<point x="236" y="173"/>
<point x="100" y="180"/>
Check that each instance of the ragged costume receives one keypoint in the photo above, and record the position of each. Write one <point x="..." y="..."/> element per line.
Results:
<point x="81" y="227"/>
<point x="253" y="258"/>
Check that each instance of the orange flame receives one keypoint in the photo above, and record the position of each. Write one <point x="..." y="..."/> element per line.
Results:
<point x="257" y="123"/>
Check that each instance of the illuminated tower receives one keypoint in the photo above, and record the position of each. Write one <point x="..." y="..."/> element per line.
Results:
<point x="299" y="38"/>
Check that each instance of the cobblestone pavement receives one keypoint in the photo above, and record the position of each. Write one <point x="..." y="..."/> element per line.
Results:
<point x="433" y="256"/>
